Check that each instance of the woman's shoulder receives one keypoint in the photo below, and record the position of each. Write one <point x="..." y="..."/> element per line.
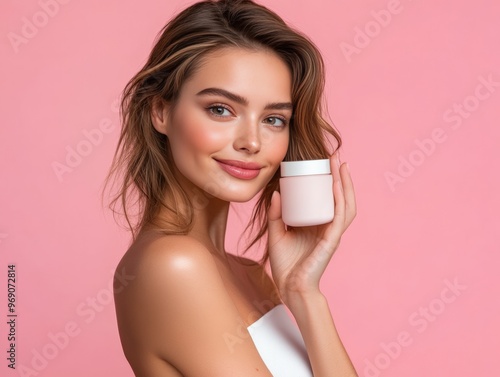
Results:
<point x="168" y="266"/>
<point x="164" y="265"/>
<point x="174" y="305"/>
<point x="167" y="260"/>
<point x="165" y="252"/>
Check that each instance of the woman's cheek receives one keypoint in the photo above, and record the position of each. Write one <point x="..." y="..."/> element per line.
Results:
<point x="276" y="142"/>
<point x="202" y="135"/>
<point x="280" y="146"/>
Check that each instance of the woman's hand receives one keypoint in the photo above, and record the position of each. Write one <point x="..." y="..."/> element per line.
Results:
<point x="299" y="255"/>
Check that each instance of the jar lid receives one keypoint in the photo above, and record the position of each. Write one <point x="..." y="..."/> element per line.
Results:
<point x="306" y="167"/>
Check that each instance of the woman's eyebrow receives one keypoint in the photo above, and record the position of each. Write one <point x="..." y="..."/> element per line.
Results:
<point x="242" y="100"/>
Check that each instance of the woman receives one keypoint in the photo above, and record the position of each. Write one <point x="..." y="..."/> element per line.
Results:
<point x="228" y="92"/>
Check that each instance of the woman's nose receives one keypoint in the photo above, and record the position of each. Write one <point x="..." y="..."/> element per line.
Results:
<point x="248" y="138"/>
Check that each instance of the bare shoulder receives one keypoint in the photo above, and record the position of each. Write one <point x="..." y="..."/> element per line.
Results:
<point x="154" y="266"/>
<point x="176" y="309"/>
<point x="165" y="254"/>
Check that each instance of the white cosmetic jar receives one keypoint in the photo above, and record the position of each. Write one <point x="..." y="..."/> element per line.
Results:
<point x="306" y="192"/>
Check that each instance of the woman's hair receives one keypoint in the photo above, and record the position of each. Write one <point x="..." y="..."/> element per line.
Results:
<point x="143" y="166"/>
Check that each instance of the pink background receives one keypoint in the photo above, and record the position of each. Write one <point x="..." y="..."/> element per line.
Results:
<point x="426" y="174"/>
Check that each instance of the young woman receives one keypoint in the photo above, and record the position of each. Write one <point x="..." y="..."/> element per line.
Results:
<point x="228" y="92"/>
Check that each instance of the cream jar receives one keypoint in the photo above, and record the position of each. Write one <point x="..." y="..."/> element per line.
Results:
<point x="306" y="192"/>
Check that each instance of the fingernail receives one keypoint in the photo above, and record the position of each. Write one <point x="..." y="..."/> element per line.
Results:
<point x="348" y="168"/>
<point x="338" y="159"/>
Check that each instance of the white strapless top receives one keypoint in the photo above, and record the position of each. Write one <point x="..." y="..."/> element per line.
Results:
<point x="280" y="344"/>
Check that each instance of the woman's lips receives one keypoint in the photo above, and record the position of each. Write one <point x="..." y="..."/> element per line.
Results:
<point x="240" y="169"/>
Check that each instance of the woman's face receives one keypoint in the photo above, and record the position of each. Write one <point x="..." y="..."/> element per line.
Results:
<point x="229" y="128"/>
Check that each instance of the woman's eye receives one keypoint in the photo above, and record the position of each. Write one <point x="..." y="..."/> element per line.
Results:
<point x="276" y="121"/>
<point x="219" y="111"/>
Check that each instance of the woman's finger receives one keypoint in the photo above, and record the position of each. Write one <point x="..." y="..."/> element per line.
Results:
<point x="349" y="194"/>
<point x="336" y="228"/>
<point x="276" y="226"/>
<point x="335" y="166"/>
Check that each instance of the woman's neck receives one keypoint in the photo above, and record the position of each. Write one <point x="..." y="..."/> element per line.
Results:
<point x="209" y="224"/>
<point x="209" y="215"/>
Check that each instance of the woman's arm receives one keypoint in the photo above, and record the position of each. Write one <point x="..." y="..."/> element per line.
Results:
<point x="324" y="347"/>
<point x="299" y="257"/>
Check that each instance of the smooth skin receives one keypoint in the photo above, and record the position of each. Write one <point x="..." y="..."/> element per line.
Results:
<point x="188" y="306"/>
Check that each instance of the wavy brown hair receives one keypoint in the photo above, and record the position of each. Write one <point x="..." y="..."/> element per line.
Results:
<point x="142" y="171"/>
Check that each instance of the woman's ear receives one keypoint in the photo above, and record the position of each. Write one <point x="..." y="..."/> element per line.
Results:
<point x="160" y="115"/>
